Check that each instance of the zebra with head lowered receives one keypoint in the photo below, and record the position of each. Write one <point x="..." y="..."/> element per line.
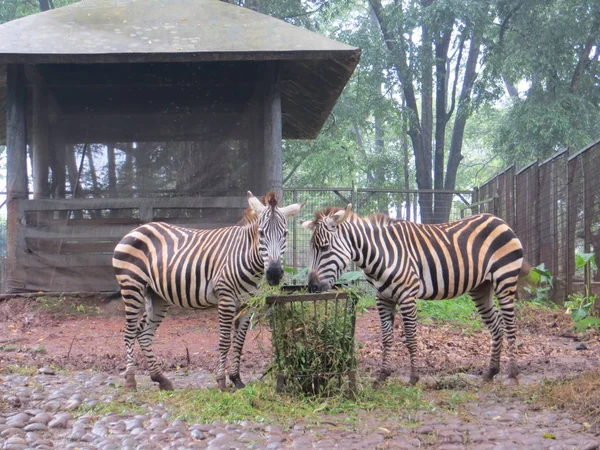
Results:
<point x="404" y="261"/>
<point x="158" y="265"/>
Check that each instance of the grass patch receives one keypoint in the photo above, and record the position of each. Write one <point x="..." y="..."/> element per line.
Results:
<point x="258" y="402"/>
<point x="129" y="406"/>
<point x="460" y="311"/>
<point x="20" y="370"/>
<point x="580" y="396"/>
<point x="9" y="348"/>
<point x="63" y="306"/>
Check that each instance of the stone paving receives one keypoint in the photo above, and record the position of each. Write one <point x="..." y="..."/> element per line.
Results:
<point x="43" y="413"/>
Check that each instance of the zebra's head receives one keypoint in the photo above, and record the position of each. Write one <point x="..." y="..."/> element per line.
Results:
<point x="329" y="249"/>
<point x="272" y="233"/>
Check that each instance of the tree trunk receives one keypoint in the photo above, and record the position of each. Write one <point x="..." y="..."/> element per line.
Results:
<point x="112" y="169"/>
<point x="463" y="112"/>
<point x="399" y="53"/>
<point x="441" y="116"/>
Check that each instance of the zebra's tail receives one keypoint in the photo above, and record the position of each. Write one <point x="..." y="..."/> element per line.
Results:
<point x="112" y="296"/>
<point x="525" y="269"/>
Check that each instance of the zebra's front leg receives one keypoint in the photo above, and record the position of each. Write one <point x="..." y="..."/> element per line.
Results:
<point x="408" y="310"/>
<point x="386" y="309"/>
<point x="227" y="311"/>
<point x="241" y="327"/>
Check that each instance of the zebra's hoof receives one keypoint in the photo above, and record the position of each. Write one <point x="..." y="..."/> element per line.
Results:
<point x="237" y="383"/>
<point x="377" y="384"/>
<point x="512" y="381"/>
<point x="414" y="378"/>
<point x="222" y="385"/>
<point x="488" y="377"/>
<point x="164" y="384"/>
<point x="130" y="384"/>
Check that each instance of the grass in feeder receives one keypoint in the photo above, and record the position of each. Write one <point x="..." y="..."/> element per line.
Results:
<point x="313" y="342"/>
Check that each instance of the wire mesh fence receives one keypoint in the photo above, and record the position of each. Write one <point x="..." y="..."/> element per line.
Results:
<point x="554" y="207"/>
<point x="400" y="204"/>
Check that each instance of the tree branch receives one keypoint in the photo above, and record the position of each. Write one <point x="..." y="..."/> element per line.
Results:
<point x="584" y="54"/>
<point x="456" y="70"/>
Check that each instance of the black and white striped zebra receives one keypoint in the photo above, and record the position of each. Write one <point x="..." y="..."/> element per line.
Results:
<point x="404" y="261"/>
<point x="158" y="265"/>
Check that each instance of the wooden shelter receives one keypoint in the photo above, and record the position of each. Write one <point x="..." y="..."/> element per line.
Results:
<point x="190" y="97"/>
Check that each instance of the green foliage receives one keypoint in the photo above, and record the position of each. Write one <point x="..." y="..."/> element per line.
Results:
<point x="581" y="308"/>
<point x="543" y="44"/>
<point x="583" y="259"/>
<point x="541" y="283"/>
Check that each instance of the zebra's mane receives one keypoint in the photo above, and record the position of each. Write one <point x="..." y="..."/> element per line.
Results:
<point x="250" y="216"/>
<point x="378" y="218"/>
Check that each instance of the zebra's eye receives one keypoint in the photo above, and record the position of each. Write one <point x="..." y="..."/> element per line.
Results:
<point x="261" y="233"/>
<point x="323" y="248"/>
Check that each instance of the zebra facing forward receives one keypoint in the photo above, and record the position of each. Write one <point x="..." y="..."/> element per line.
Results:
<point x="404" y="261"/>
<point x="158" y="265"/>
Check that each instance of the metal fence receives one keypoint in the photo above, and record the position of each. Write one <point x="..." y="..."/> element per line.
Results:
<point x="401" y="204"/>
<point x="554" y="207"/>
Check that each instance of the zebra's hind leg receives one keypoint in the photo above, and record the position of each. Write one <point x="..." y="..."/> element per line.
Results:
<point x="506" y="300"/>
<point x="156" y="310"/>
<point x="408" y="310"/>
<point x="483" y="296"/>
<point x="386" y="309"/>
<point x="239" y="336"/>
<point x="133" y="298"/>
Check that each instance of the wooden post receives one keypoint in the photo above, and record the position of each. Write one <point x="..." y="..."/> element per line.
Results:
<point x="572" y="204"/>
<point x="16" y="168"/>
<point x="273" y="166"/>
<point x="40" y="136"/>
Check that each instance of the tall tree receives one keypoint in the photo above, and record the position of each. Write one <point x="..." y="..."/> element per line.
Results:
<point x="425" y="39"/>
<point x="554" y="47"/>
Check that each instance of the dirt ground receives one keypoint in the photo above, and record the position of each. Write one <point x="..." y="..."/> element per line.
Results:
<point x="83" y="333"/>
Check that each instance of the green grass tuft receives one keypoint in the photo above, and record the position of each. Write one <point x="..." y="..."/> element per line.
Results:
<point x="460" y="310"/>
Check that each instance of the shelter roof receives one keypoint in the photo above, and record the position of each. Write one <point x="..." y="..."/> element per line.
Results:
<point x="315" y="69"/>
<point x="157" y="31"/>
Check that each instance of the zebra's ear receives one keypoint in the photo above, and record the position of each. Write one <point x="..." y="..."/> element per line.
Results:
<point x="308" y="225"/>
<point x="292" y="210"/>
<point x="340" y="216"/>
<point x="255" y="203"/>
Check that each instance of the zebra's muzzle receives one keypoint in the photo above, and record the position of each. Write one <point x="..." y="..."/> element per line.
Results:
<point x="315" y="284"/>
<point x="274" y="274"/>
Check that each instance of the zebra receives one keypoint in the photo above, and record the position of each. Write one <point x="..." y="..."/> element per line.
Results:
<point x="158" y="265"/>
<point x="403" y="261"/>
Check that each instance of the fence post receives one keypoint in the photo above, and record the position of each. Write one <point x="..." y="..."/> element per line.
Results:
<point x="294" y="234"/>
<point x="571" y="223"/>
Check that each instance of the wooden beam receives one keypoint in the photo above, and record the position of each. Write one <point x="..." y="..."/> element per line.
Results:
<point x="152" y="127"/>
<point x="273" y="165"/>
<point x="40" y="136"/>
<point x="16" y="165"/>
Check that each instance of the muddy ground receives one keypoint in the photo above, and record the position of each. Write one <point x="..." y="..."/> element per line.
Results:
<point x="82" y="333"/>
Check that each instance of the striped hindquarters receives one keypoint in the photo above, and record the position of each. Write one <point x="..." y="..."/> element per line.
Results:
<point x="178" y="264"/>
<point x="453" y="258"/>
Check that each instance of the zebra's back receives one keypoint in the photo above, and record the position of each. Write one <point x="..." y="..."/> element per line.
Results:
<point x="179" y="264"/>
<point x="453" y="258"/>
